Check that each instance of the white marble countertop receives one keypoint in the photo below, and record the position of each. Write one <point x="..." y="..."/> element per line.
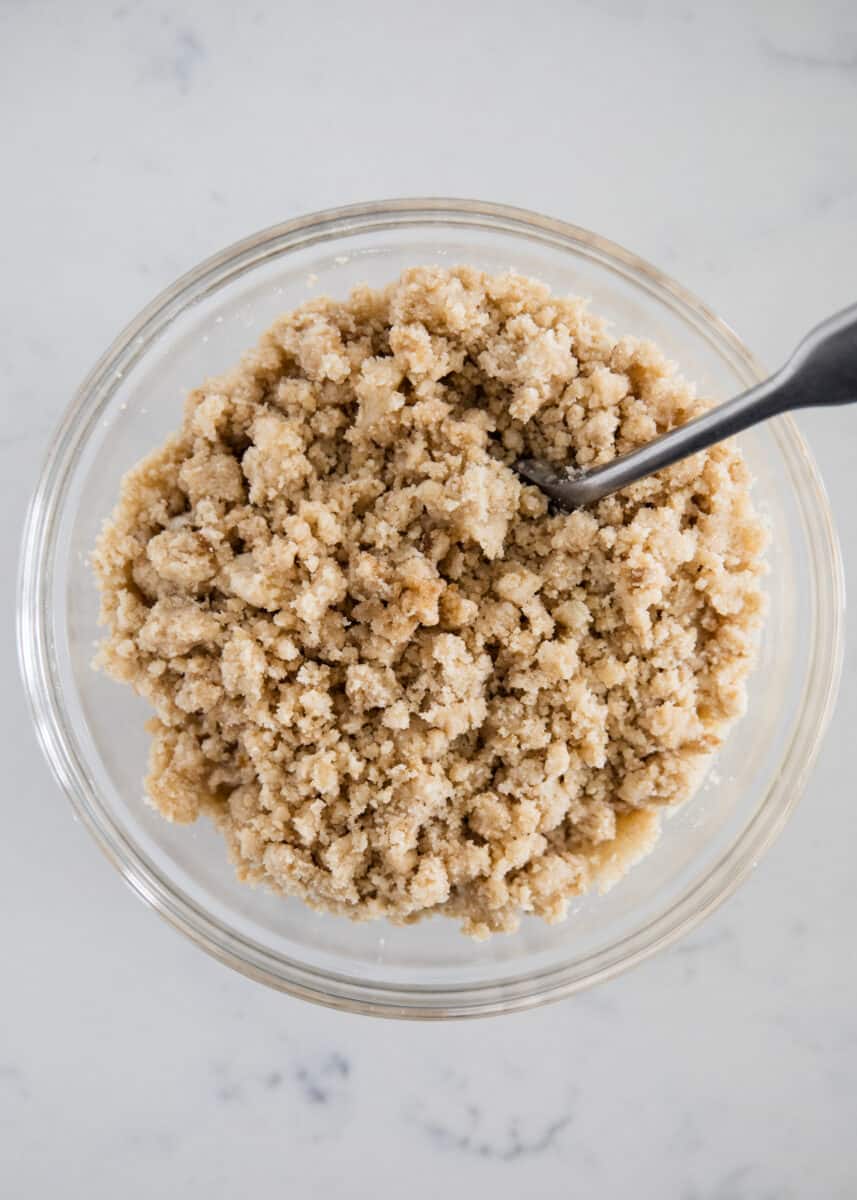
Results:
<point x="718" y="141"/>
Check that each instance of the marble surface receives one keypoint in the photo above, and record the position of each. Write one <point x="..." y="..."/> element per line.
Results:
<point x="718" y="141"/>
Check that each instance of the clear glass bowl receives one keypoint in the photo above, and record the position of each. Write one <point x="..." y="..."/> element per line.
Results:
<point x="92" y="730"/>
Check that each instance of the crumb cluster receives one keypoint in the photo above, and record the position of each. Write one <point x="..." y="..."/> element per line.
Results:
<point x="397" y="680"/>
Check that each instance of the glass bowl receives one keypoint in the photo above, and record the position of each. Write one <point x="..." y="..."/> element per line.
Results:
<point x="92" y="729"/>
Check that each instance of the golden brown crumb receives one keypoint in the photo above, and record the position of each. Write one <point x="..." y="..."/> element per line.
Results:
<point x="398" y="682"/>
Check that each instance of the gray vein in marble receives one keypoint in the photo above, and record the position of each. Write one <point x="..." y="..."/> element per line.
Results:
<point x="737" y="1184"/>
<point x="226" y="1089"/>
<point x="13" y="1082"/>
<point x="321" y="1080"/>
<point x="189" y="53"/>
<point x="318" y="1080"/>
<point x="464" y="1125"/>
<point x="842" y="63"/>
<point x="514" y="1146"/>
<point x="179" y="61"/>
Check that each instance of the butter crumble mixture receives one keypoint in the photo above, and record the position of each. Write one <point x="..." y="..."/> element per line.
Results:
<point x="396" y="678"/>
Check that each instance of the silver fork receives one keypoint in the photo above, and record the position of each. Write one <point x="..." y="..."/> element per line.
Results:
<point x="821" y="371"/>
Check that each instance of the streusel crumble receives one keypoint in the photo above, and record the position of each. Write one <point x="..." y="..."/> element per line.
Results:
<point x="397" y="680"/>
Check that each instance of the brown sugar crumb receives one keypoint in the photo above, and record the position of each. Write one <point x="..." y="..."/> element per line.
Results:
<point x="398" y="682"/>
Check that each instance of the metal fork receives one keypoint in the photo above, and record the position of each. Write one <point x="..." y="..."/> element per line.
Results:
<point x="821" y="371"/>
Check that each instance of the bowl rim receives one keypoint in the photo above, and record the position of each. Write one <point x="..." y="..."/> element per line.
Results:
<point x="59" y="744"/>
